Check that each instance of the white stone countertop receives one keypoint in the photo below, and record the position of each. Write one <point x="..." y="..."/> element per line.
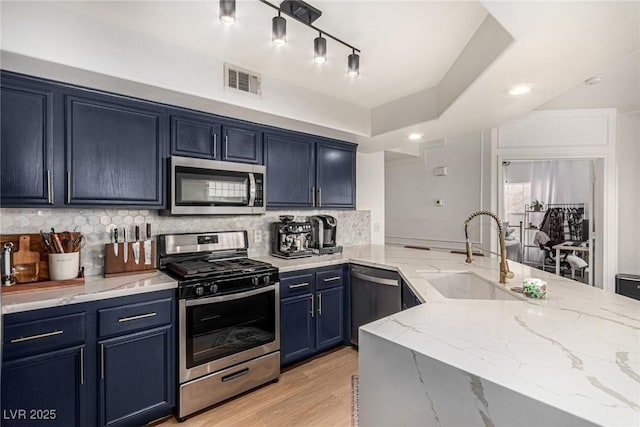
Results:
<point x="578" y="351"/>
<point x="95" y="288"/>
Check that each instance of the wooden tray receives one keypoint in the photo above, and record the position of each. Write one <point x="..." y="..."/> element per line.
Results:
<point x="38" y="286"/>
<point x="36" y="246"/>
<point x="115" y="266"/>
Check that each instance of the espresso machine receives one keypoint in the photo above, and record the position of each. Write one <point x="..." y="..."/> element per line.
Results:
<point x="323" y="239"/>
<point x="291" y="239"/>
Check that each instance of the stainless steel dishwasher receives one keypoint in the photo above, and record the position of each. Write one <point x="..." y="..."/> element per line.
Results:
<point x="375" y="294"/>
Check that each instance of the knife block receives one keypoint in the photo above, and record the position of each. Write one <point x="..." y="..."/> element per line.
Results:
<point x="115" y="265"/>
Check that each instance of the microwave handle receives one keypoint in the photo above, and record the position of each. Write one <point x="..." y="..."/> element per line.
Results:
<point x="252" y="189"/>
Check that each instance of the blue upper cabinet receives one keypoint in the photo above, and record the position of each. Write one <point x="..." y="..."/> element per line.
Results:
<point x="290" y="171"/>
<point x="242" y="144"/>
<point x="26" y="143"/>
<point x="114" y="150"/>
<point x="336" y="175"/>
<point x="195" y="135"/>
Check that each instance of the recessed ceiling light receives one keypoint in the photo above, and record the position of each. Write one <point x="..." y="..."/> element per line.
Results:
<point x="521" y="89"/>
<point x="593" y="80"/>
<point x="415" y="136"/>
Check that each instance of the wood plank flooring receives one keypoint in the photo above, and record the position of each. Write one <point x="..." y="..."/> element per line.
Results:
<point x="314" y="393"/>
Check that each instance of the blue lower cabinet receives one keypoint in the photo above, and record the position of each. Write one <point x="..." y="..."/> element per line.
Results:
<point x="329" y="320"/>
<point x="314" y="321"/>
<point x="48" y="389"/>
<point x="136" y="374"/>
<point x="297" y="339"/>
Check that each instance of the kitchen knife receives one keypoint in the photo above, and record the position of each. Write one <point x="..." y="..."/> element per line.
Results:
<point x="137" y="232"/>
<point x="115" y="241"/>
<point x="125" y="239"/>
<point x="147" y="246"/>
<point x="135" y="247"/>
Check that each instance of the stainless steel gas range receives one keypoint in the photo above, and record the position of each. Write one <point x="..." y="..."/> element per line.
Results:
<point x="228" y="317"/>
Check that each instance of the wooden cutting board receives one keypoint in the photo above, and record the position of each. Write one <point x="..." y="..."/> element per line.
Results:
<point x="24" y="254"/>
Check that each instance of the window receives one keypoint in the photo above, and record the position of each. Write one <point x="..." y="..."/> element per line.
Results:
<point x="517" y="195"/>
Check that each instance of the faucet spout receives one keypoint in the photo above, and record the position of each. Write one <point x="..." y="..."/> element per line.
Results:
<point x="505" y="273"/>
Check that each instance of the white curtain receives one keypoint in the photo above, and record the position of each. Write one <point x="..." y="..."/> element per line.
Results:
<point x="551" y="181"/>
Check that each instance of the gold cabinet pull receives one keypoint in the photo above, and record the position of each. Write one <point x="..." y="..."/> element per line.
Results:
<point x="81" y="365"/>
<point x="68" y="187"/>
<point x="319" y="197"/>
<point x="331" y="279"/>
<point x="140" y="316"/>
<point x="215" y="144"/>
<point x="319" y="304"/>
<point x="35" y="337"/>
<point x="102" y="361"/>
<point x="313" y="197"/>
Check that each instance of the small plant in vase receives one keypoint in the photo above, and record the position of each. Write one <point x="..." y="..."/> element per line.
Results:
<point x="537" y="205"/>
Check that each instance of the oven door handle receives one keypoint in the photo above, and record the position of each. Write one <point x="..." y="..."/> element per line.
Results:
<point x="231" y="297"/>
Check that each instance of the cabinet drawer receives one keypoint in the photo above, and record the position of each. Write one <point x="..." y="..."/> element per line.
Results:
<point x="134" y="317"/>
<point x="40" y="336"/>
<point x="628" y="285"/>
<point x="297" y="284"/>
<point x="329" y="278"/>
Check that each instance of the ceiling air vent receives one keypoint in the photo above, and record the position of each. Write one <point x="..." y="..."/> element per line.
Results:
<point x="242" y="80"/>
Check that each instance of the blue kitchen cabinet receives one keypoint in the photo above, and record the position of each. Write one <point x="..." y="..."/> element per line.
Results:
<point x="242" y="143"/>
<point x="312" y="312"/>
<point x="297" y="326"/>
<point x="136" y="378"/>
<point x="26" y="142"/>
<point x="304" y="171"/>
<point x="114" y="149"/>
<point x="290" y="162"/>
<point x="329" y="320"/>
<point x="195" y="135"/>
<point x="336" y="175"/>
<point x="47" y="389"/>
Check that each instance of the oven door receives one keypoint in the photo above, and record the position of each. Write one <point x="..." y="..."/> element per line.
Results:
<point x="219" y="332"/>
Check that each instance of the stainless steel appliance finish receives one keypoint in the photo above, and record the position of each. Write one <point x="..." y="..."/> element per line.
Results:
<point x="375" y="294"/>
<point x="291" y="239"/>
<point x="211" y="389"/>
<point x="210" y="187"/>
<point x="6" y="262"/>
<point x="323" y="239"/>
<point x="228" y="316"/>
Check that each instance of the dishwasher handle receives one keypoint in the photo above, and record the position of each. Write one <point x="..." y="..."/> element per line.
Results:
<point x="373" y="279"/>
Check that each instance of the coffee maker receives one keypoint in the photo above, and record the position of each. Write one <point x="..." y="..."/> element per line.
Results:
<point x="323" y="240"/>
<point x="291" y="239"/>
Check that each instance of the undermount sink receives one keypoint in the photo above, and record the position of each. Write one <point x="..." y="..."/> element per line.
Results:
<point x="467" y="286"/>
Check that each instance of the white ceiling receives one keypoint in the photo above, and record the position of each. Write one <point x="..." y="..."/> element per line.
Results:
<point x="406" y="46"/>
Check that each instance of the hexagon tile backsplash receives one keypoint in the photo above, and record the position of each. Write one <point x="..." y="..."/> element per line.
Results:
<point x="353" y="226"/>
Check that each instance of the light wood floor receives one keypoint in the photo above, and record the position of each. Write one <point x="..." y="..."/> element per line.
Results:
<point x="314" y="393"/>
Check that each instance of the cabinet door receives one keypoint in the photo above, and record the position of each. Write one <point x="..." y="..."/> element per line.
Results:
<point x="297" y="334"/>
<point x="48" y="389"/>
<point x="195" y="136"/>
<point x="114" y="152"/>
<point x="336" y="175"/>
<point x="290" y="171"/>
<point x="137" y="374"/>
<point x="26" y="143"/>
<point x="329" y="318"/>
<point x="242" y="144"/>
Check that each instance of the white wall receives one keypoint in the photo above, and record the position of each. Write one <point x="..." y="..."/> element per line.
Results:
<point x="628" y="159"/>
<point x="411" y="189"/>
<point x="370" y="192"/>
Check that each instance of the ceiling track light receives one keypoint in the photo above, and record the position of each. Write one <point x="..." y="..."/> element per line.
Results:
<point x="279" y="31"/>
<point x="305" y="14"/>
<point x="320" y="49"/>
<point x="228" y="11"/>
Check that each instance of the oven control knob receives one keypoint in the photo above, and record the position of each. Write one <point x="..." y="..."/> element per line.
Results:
<point x="199" y="290"/>
<point x="213" y="289"/>
<point x="265" y="279"/>
<point x="254" y="281"/>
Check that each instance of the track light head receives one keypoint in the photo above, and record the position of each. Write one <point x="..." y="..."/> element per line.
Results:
<point x="228" y="11"/>
<point x="320" y="49"/>
<point x="353" y="65"/>
<point x="279" y="31"/>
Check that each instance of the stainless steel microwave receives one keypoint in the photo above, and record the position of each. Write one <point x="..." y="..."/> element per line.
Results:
<point x="210" y="187"/>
